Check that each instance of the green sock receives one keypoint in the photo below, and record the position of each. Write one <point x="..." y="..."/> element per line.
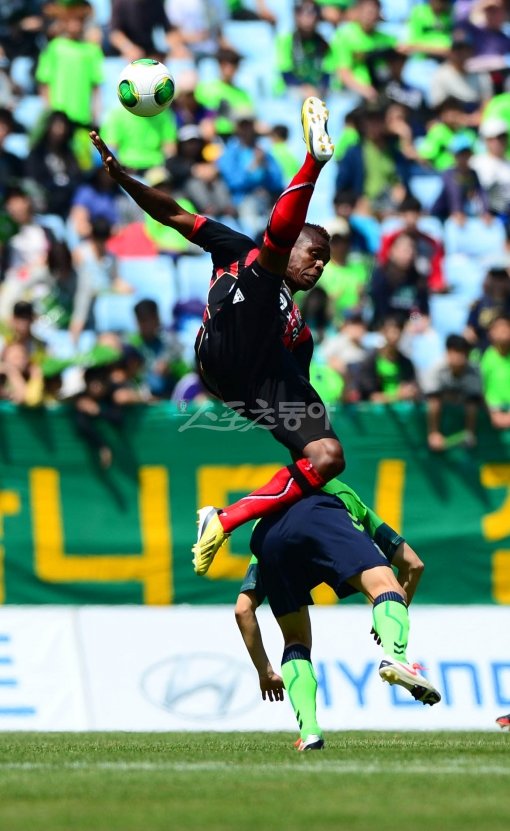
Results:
<point x="301" y="685"/>
<point x="391" y="622"/>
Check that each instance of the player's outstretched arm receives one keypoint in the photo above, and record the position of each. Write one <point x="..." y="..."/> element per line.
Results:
<point x="157" y="204"/>
<point x="409" y="569"/>
<point x="271" y="685"/>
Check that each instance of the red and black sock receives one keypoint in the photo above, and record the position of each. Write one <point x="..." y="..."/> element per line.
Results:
<point x="286" y="487"/>
<point x="289" y="214"/>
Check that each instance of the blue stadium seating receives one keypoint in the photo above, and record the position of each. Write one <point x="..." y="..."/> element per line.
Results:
<point x="252" y="39"/>
<point x="29" y="110"/>
<point x="17" y="143"/>
<point x="114" y="313"/>
<point x="464" y="275"/>
<point x="193" y="276"/>
<point x="476" y="239"/>
<point x="426" y="188"/>
<point x="152" y="278"/>
<point x="61" y="345"/>
<point x="448" y="313"/>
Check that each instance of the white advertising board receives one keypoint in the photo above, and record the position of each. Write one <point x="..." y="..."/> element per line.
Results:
<point x="185" y="668"/>
<point x="41" y="687"/>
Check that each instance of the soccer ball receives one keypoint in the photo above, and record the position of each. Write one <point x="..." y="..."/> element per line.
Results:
<point x="145" y="87"/>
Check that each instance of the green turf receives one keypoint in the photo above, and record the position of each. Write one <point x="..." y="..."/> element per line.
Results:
<point x="244" y="781"/>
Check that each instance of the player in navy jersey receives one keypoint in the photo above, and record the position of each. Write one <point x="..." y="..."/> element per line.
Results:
<point x="253" y="348"/>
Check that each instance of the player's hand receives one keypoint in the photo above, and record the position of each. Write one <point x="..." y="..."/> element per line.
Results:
<point x="271" y="687"/>
<point x="376" y="636"/>
<point x="110" y="163"/>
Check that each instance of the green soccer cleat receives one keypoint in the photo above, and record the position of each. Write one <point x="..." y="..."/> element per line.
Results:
<point x="311" y="742"/>
<point x="211" y="537"/>
<point x="314" y="118"/>
<point x="407" y="676"/>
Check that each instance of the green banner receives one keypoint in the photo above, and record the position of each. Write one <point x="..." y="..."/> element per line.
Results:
<point x="74" y="533"/>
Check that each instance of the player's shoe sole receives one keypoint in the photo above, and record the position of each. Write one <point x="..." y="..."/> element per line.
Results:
<point x="407" y="676"/>
<point x="504" y="722"/>
<point x="311" y="742"/>
<point x="211" y="536"/>
<point x="314" y="118"/>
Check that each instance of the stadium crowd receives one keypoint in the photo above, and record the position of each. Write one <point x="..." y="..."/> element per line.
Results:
<point x="99" y="304"/>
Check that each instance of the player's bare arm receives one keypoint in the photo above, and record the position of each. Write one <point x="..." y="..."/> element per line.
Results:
<point x="271" y="684"/>
<point x="159" y="205"/>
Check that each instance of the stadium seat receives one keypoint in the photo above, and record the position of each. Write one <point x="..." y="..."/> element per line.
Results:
<point x="396" y="11"/>
<point x="22" y="72"/>
<point x="418" y="73"/>
<point x="152" y="278"/>
<point x="253" y="38"/>
<point x="17" y="143"/>
<point x="448" y="314"/>
<point x="55" y="224"/>
<point x="194" y="275"/>
<point x="370" y="228"/>
<point x="114" y="313"/>
<point x="102" y="11"/>
<point x="112" y="69"/>
<point x="61" y="345"/>
<point x="426" y="188"/>
<point x="476" y="239"/>
<point x="29" y="110"/>
<point x="464" y="275"/>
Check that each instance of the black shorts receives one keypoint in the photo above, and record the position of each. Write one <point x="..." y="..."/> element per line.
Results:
<point x="244" y="362"/>
<point x="314" y="541"/>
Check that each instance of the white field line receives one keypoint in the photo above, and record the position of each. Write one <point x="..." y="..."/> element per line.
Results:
<point x="304" y="765"/>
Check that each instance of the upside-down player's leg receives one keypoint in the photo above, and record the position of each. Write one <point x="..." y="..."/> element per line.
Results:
<point x="321" y="454"/>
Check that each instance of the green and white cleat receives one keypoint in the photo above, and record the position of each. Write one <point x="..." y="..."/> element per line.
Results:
<point x="211" y="536"/>
<point x="314" y="118"/>
<point x="407" y="676"/>
<point x="311" y="742"/>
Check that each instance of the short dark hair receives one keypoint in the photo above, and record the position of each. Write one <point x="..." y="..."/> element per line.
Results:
<point x="450" y="103"/>
<point x="410" y="203"/>
<point x="101" y="228"/>
<point x="145" y="309"/>
<point x="397" y="319"/>
<point x="23" y="310"/>
<point x="505" y="318"/>
<point x="498" y="272"/>
<point x="226" y="55"/>
<point x="345" y="197"/>
<point x="458" y="343"/>
<point x="280" y="131"/>
<point x="311" y="226"/>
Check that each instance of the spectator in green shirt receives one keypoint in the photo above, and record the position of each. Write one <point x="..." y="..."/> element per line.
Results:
<point x="281" y="152"/>
<point x="355" y="47"/>
<point x="495" y="368"/>
<point x="222" y="96"/>
<point x="140" y="143"/>
<point x="70" y="70"/>
<point x="430" y="28"/>
<point x="301" y="55"/>
<point x="435" y="147"/>
<point x="346" y="274"/>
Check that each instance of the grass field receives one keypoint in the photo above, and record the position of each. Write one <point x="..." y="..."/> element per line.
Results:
<point x="244" y="781"/>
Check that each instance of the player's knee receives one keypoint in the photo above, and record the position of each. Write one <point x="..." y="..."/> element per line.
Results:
<point x="328" y="458"/>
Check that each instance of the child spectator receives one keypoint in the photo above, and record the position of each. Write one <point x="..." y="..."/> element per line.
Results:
<point x="452" y="79"/>
<point x="430" y="28"/>
<point x="12" y="168"/>
<point x="429" y="251"/>
<point x="435" y="147"/>
<point x="356" y="46"/>
<point x="453" y="381"/>
<point x="375" y="167"/>
<point x="394" y="89"/>
<point x="222" y="96"/>
<point x="302" y="54"/>
<point x="345" y="352"/>
<point x="161" y="351"/>
<point x="493" y="168"/>
<point x="495" y="368"/>
<point x="398" y="287"/>
<point x="281" y="152"/>
<point x="345" y="276"/>
<point x="387" y="375"/>
<point x="494" y="302"/>
<point x="70" y="68"/>
<point x="96" y="198"/>
<point x="26" y="252"/>
<point x="53" y="165"/>
<point x="462" y="194"/>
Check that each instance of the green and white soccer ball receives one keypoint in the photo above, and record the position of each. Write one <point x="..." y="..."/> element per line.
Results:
<point x="145" y="87"/>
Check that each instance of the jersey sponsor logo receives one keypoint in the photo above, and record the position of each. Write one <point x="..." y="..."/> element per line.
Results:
<point x="238" y="297"/>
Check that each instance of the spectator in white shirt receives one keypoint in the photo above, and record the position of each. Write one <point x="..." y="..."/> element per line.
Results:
<point x="453" y="80"/>
<point x="492" y="166"/>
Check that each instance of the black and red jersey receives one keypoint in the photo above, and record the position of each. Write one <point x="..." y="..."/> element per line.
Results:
<point x="231" y="252"/>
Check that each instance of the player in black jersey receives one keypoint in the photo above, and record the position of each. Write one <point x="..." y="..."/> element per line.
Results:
<point x="253" y="347"/>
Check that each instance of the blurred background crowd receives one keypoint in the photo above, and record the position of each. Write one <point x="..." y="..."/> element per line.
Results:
<point x="99" y="304"/>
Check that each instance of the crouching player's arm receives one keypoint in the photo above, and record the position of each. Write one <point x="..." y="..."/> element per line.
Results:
<point x="271" y="684"/>
<point x="409" y="569"/>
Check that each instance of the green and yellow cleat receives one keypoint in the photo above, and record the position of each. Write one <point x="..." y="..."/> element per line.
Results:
<point x="211" y="537"/>
<point x="314" y="118"/>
